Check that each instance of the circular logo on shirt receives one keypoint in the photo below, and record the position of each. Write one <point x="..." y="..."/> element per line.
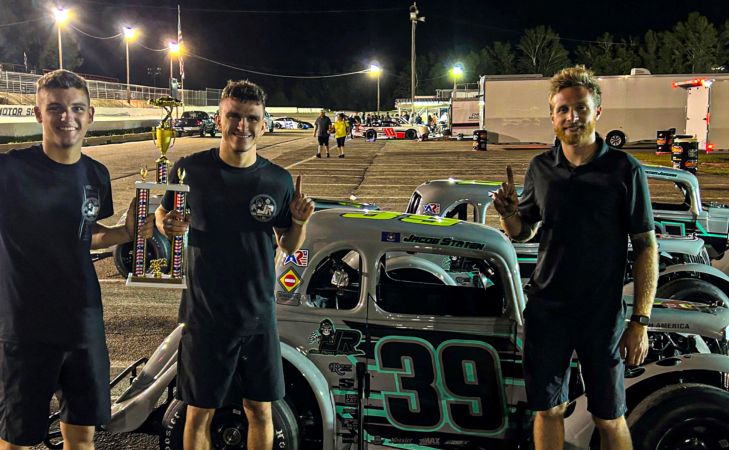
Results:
<point x="263" y="207"/>
<point x="90" y="209"/>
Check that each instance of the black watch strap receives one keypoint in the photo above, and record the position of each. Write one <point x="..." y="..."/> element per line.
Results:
<point x="643" y="320"/>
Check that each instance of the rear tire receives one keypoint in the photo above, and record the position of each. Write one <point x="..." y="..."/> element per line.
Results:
<point x="616" y="139"/>
<point x="371" y="135"/>
<point x="693" y="290"/>
<point x="681" y="417"/>
<point x="411" y="134"/>
<point x="229" y="428"/>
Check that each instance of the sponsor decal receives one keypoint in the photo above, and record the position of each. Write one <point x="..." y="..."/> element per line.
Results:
<point x="290" y="280"/>
<point x="429" y="441"/>
<point x="331" y="341"/>
<point x="431" y="209"/>
<point x="298" y="258"/>
<point x="390" y="237"/>
<point x="350" y="399"/>
<point x="399" y="440"/>
<point x="263" y="207"/>
<point x="670" y="326"/>
<point x="346" y="383"/>
<point x="285" y="298"/>
<point x="446" y="242"/>
<point x="677" y="304"/>
<point x="457" y="442"/>
<point x="340" y="369"/>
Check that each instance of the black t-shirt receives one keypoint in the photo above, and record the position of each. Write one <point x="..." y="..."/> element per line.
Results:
<point x="586" y="214"/>
<point x="231" y="244"/>
<point x="49" y="292"/>
<point x="323" y="124"/>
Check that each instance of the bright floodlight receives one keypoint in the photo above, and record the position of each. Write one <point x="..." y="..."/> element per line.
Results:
<point x="374" y="68"/>
<point x="61" y="15"/>
<point x="457" y="71"/>
<point x="129" y="33"/>
<point x="174" y="48"/>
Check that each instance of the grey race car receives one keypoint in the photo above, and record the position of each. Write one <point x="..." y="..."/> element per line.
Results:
<point x="407" y="333"/>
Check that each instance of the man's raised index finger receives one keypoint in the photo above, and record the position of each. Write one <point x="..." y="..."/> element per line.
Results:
<point x="298" y="185"/>
<point x="509" y="176"/>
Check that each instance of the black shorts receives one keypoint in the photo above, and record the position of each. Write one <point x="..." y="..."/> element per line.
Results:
<point x="340" y="141"/>
<point x="31" y="373"/>
<point x="550" y="338"/>
<point x="323" y="140"/>
<point x="215" y="371"/>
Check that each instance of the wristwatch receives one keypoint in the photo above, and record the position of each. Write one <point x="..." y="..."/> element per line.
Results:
<point x="637" y="318"/>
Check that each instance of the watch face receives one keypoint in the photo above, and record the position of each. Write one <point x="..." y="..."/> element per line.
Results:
<point x="643" y="320"/>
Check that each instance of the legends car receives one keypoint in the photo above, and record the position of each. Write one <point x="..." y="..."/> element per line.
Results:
<point x="407" y="331"/>
<point x="194" y="122"/>
<point x="387" y="129"/>
<point x="291" y="123"/>
<point x="685" y="265"/>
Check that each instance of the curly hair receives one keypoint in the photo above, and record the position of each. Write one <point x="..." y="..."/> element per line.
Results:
<point x="577" y="76"/>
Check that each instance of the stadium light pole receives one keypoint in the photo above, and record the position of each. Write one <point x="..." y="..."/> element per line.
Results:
<point x="456" y="72"/>
<point x="377" y="71"/>
<point x="414" y="19"/>
<point x="129" y="35"/>
<point x="61" y="16"/>
<point x="174" y="49"/>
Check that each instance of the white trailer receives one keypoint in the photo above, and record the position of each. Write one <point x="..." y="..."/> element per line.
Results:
<point x="515" y="109"/>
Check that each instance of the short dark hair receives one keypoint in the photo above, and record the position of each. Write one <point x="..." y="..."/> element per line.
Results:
<point x="578" y="76"/>
<point x="244" y="91"/>
<point x="62" y="79"/>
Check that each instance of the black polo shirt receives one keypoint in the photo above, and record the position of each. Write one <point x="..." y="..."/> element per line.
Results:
<point x="586" y="215"/>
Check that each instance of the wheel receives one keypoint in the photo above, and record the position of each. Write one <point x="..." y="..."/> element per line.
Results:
<point x="276" y="125"/>
<point x="411" y="134"/>
<point x="157" y="247"/>
<point x="681" y="417"/>
<point x="615" y="139"/>
<point x="299" y="125"/>
<point x="693" y="290"/>
<point x="230" y="427"/>
<point x="371" y="135"/>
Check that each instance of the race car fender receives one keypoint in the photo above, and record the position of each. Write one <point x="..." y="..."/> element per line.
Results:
<point x="579" y="426"/>
<point x="318" y="384"/>
<point x="133" y="407"/>
<point x="691" y="270"/>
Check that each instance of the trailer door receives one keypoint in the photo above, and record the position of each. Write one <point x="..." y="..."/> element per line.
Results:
<point x="698" y="114"/>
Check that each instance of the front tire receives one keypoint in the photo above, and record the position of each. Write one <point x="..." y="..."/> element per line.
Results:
<point x="681" y="417"/>
<point x="371" y="135"/>
<point x="411" y="134"/>
<point x="229" y="428"/>
<point x="693" y="290"/>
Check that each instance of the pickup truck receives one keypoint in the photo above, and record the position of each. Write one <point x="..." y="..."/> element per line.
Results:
<point x="194" y="122"/>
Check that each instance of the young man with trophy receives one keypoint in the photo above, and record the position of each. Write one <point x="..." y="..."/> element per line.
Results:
<point x="51" y="325"/>
<point x="241" y="207"/>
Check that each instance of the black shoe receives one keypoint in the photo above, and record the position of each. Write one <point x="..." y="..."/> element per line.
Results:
<point x="318" y="155"/>
<point x="327" y="155"/>
<point x="341" y="156"/>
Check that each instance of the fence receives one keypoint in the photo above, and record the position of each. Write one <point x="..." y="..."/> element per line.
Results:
<point x="24" y="83"/>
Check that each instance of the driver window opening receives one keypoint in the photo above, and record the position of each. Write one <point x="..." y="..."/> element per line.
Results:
<point x="439" y="285"/>
<point x="336" y="282"/>
<point x="668" y="195"/>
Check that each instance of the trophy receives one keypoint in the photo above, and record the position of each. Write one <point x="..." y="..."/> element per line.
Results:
<point x="163" y="137"/>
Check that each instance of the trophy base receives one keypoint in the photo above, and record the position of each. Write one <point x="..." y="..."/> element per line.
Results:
<point x="165" y="282"/>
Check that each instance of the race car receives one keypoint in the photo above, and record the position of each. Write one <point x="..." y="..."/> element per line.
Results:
<point x="387" y="129"/>
<point x="406" y="332"/>
<point x="291" y="123"/>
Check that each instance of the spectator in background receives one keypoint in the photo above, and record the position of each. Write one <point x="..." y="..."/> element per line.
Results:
<point x="322" y="128"/>
<point x="341" y="130"/>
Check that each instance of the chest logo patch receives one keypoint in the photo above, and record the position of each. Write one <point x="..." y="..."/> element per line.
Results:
<point x="263" y="207"/>
<point x="90" y="209"/>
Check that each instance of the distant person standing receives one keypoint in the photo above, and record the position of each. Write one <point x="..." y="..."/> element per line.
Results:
<point x="322" y="128"/>
<point x="350" y="126"/>
<point x="341" y="129"/>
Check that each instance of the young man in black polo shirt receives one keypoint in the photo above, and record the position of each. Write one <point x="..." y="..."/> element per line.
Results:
<point x="51" y="326"/>
<point x="241" y="206"/>
<point x="587" y="198"/>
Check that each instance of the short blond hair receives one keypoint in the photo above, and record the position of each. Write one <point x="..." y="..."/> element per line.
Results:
<point x="577" y="76"/>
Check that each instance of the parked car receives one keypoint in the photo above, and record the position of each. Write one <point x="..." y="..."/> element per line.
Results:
<point x="194" y="122"/>
<point x="407" y="330"/>
<point x="386" y="129"/>
<point x="291" y="123"/>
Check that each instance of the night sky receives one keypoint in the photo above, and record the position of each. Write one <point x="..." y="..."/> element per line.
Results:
<point x="304" y="39"/>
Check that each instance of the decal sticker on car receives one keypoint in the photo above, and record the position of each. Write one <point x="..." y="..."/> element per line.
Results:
<point x="335" y="342"/>
<point x="407" y="218"/>
<point x="290" y="280"/>
<point x="447" y="242"/>
<point x="298" y="258"/>
<point x="390" y="237"/>
<point x="431" y="209"/>
<point x="340" y="369"/>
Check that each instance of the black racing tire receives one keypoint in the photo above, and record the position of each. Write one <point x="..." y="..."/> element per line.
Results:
<point x="157" y="247"/>
<point x="616" y="139"/>
<point x="681" y="417"/>
<point x="693" y="290"/>
<point x="230" y="427"/>
<point x="371" y="135"/>
<point x="276" y="125"/>
<point x="411" y="134"/>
